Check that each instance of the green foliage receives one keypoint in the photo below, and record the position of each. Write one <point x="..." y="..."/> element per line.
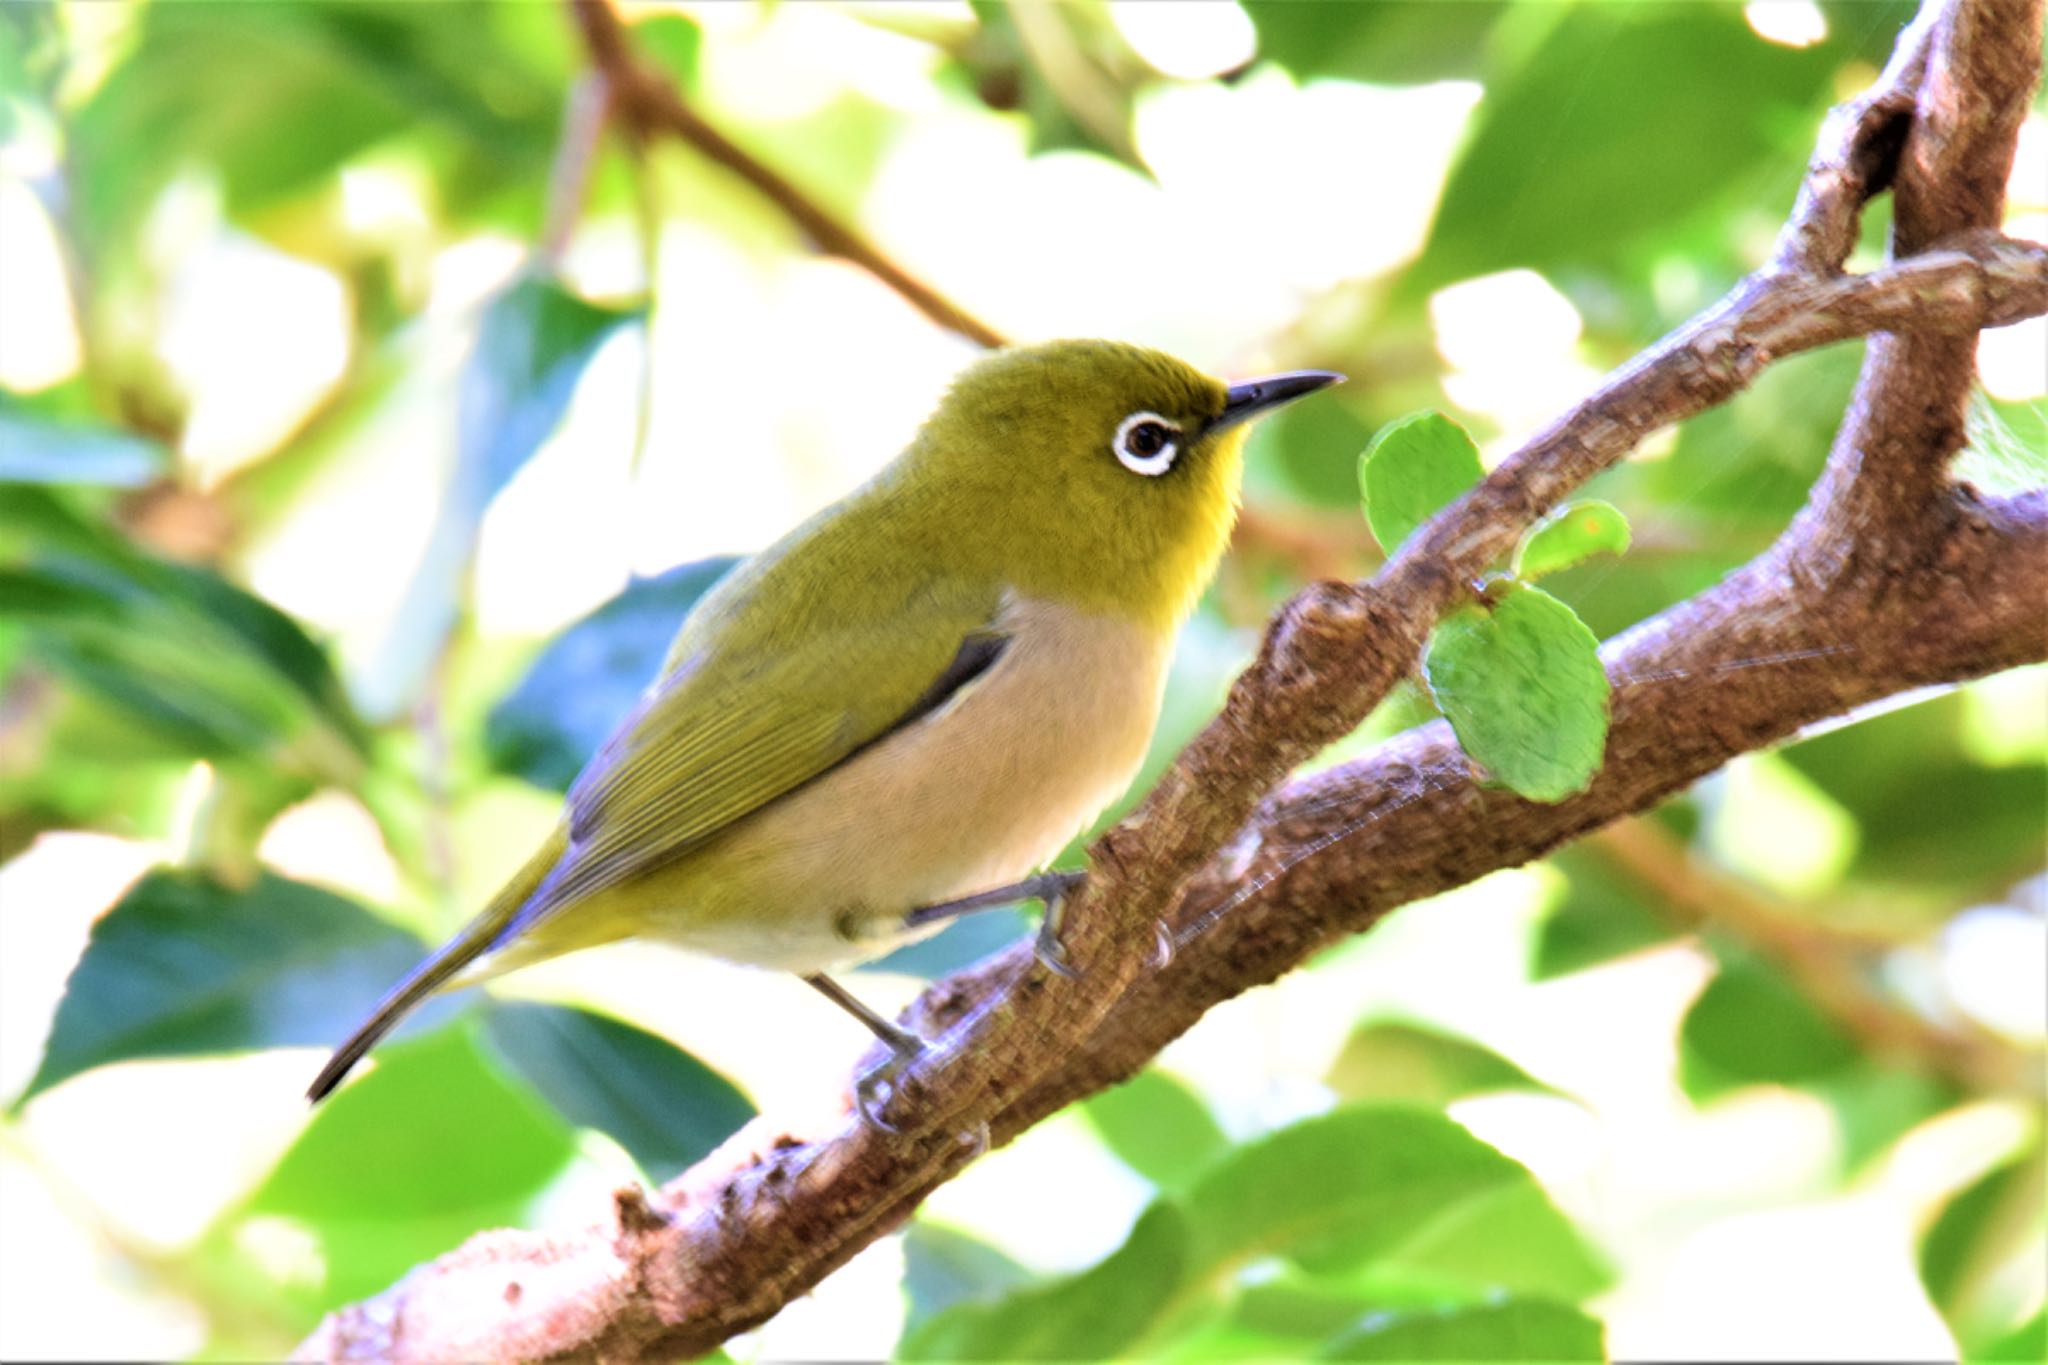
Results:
<point x="1391" y="1060"/>
<point x="1519" y="679"/>
<point x="1157" y="1127"/>
<point x="533" y="344"/>
<point x="574" y="693"/>
<point x="1749" y="1026"/>
<point x="1519" y="1329"/>
<point x="661" y="1104"/>
<point x="183" y="967"/>
<point x="431" y="1145"/>
<point x="36" y="447"/>
<point x="1969" y="1255"/>
<point x="1365" y="1191"/>
<point x="1413" y="469"/>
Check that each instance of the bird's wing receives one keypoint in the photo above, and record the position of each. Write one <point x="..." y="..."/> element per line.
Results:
<point x="732" y="727"/>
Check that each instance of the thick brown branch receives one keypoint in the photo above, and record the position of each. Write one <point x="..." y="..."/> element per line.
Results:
<point x="649" y="104"/>
<point x="1782" y="643"/>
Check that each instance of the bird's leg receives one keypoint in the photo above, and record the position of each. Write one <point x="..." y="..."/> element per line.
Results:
<point x="1052" y="888"/>
<point x="904" y="1047"/>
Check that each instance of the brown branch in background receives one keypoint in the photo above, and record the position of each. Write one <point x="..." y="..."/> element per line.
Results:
<point x="584" y="115"/>
<point x="759" y="1222"/>
<point x="648" y="105"/>
<point x="1829" y="970"/>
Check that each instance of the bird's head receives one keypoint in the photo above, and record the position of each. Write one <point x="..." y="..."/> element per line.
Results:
<point x="1102" y="474"/>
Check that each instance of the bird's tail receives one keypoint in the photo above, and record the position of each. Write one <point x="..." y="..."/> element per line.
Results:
<point x="478" y="937"/>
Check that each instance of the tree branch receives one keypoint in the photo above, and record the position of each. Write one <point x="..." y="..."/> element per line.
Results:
<point x="1255" y="882"/>
<point x="649" y="105"/>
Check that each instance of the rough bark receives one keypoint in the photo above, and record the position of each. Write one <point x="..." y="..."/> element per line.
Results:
<point x="1892" y="578"/>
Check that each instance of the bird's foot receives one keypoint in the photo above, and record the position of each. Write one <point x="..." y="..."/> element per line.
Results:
<point x="877" y="1086"/>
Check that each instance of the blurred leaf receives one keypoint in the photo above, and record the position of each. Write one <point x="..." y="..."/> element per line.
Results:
<point x="1753" y="1026"/>
<point x="1365" y="1187"/>
<point x="1098" y="1313"/>
<point x="1966" y="1256"/>
<point x="533" y="344"/>
<point x="1393" y="42"/>
<point x="429" y="1146"/>
<point x="943" y="1266"/>
<point x="2026" y="1344"/>
<point x="1574" y="532"/>
<point x="1877" y="1102"/>
<point x="35" y="448"/>
<point x="316" y="82"/>
<point x="1304" y="451"/>
<point x="587" y="679"/>
<point x="1520" y="680"/>
<point x="191" y="654"/>
<point x="652" y="1098"/>
<point x="1412" y="470"/>
<point x="1391" y="1060"/>
<point x="1157" y="1127"/>
<point x="1519" y="1329"/>
<point x="1603" y="915"/>
<point x="184" y="967"/>
<point x="1570" y="157"/>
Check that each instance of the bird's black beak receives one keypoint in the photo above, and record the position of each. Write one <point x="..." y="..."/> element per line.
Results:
<point x="1255" y="396"/>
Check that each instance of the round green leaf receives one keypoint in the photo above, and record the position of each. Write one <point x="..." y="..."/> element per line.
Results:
<point x="1412" y="470"/>
<point x="1521" y="683"/>
<point x="1574" y="532"/>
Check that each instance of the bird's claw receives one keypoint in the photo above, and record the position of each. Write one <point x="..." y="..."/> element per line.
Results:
<point x="1164" y="944"/>
<point x="877" y="1086"/>
<point x="1055" y="888"/>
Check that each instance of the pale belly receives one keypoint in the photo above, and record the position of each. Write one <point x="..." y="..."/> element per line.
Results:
<point x="975" y="795"/>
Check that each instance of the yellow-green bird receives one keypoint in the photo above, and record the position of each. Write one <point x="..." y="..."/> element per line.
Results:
<point x="907" y="703"/>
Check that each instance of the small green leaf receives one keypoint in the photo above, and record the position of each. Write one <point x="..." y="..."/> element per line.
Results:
<point x="1519" y="1329"/>
<point x="572" y="696"/>
<point x="1412" y="470"/>
<point x="1390" y="1060"/>
<point x="35" y="448"/>
<point x="1521" y="683"/>
<point x="184" y="967"/>
<point x="652" y="1098"/>
<point x="1752" y="1026"/>
<point x="1157" y="1127"/>
<point x="1574" y="532"/>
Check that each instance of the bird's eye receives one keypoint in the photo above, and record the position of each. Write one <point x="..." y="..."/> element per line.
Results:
<point x="1146" y="443"/>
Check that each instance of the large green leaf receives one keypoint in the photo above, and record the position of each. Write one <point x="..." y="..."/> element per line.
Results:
<point x="533" y="344"/>
<point x="1520" y="680"/>
<point x="1370" y="1189"/>
<point x="431" y="1145"/>
<point x="1518" y="1329"/>
<point x="1158" y="1127"/>
<point x="197" y="658"/>
<point x="182" y="967"/>
<point x="1753" y="1026"/>
<point x="1390" y="42"/>
<point x="943" y="1266"/>
<point x="655" y="1100"/>
<point x="1570" y="158"/>
<point x="590" y="675"/>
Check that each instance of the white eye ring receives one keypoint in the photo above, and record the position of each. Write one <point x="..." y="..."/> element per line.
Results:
<point x="1156" y="462"/>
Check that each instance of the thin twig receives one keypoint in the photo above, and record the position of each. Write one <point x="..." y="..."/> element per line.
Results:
<point x="650" y="105"/>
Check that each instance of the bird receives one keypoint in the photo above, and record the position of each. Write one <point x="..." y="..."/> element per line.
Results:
<point x="904" y="706"/>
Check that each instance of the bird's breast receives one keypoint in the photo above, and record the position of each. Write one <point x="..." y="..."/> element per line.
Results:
<point x="978" y="793"/>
